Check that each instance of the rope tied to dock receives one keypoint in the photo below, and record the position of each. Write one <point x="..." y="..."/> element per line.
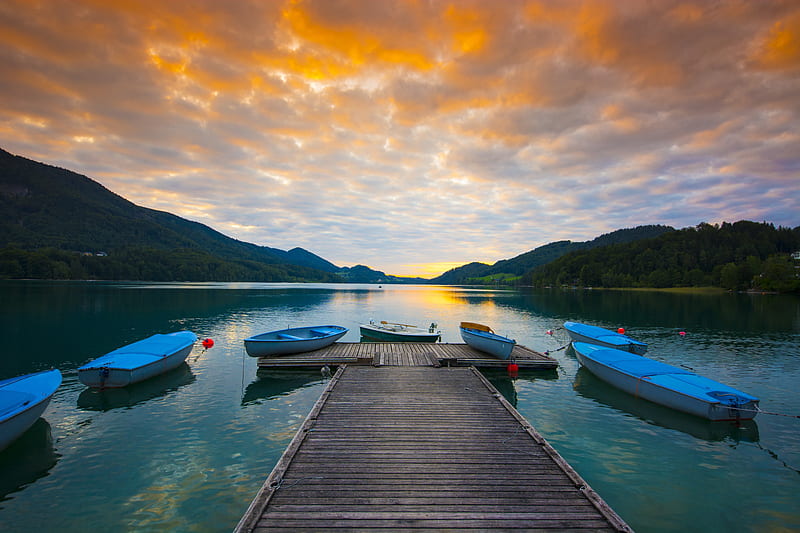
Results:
<point x="548" y="352"/>
<point x="279" y="483"/>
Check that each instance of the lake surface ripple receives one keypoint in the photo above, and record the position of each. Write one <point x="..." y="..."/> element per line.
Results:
<point x="188" y="450"/>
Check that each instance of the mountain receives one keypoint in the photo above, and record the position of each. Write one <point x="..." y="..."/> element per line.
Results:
<point x="521" y="264"/>
<point x="56" y="224"/>
<point x="45" y="207"/>
<point x="364" y="274"/>
<point x="299" y="256"/>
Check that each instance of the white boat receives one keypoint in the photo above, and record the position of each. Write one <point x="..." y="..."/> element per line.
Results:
<point x="665" y="384"/>
<point x="138" y="361"/>
<point x="395" y="332"/>
<point x="482" y="338"/>
<point x="293" y="340"/>
<point x="23" y="400"/>
<point x="604" y="337"/>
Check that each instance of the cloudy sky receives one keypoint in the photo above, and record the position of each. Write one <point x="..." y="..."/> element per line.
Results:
<point x="414" y="136"/>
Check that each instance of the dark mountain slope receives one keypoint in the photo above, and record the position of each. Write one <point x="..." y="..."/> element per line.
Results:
<point x="47" y="207"/>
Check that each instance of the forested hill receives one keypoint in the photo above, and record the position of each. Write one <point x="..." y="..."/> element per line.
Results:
<point x="737" y="256"/>
<point x="50" y="216"/>
<point x="476" y="273"/>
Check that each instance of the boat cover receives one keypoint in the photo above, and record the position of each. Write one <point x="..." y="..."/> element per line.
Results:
<point x="12" y="400"/>
<point x="143" y="352"/>
<point x="20" y="393"/>
<point x="664" y="375"/>
<point x="601" y="334"/>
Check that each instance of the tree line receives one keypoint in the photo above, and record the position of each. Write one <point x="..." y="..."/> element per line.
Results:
<point x="147" y="264"/>
<point x="736" y="256"/>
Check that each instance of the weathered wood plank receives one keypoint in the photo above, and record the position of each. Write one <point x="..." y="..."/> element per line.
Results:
<point x="405" y="354"/>
<point x="384" y="526"/>
<point x="432" y="489"/>
<point x="557" y="500"/>
<point x="453" y="516"/>
<point x="404" y="523"/>
<point x="421" y="448"/>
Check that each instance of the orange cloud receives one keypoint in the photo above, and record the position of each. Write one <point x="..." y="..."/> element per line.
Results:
<point x="337" y="48"/>
<point x="600" y="32"/>
<point x="781" y="48"/>
<point x="686" y="13"/>
<point x="467" y="26"/>
<point x="617" y="117"/>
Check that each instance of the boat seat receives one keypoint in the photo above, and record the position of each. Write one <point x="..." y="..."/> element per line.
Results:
<point x="319" y="333"/>
<point x="288" y="337"/>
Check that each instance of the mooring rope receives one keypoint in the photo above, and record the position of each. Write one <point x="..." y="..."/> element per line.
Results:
<point x="548" y="352"/>
<point x="241" y="391"/>
<point x="279" y="484"/>
<point x="759" y="410"/>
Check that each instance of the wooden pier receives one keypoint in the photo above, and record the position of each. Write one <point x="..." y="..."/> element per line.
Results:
<point x="406" y="354"/>
<point x="415" y="448"/>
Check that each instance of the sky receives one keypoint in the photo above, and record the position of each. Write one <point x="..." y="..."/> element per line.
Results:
<point x="414" y="136"/>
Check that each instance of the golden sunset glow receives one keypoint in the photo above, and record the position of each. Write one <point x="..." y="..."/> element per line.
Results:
<point x="414" y="136"/>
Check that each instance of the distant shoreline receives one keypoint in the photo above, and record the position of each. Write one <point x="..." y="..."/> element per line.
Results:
<point x="688" y="290"/>
<point x="685" y="290"/>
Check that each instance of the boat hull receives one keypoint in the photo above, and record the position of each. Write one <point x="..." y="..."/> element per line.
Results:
<point x="665" y="384"/>
<point x="603" y="337"/>
<point x="382" y="334"/>
<point x="22" y="402"/>
<point x="488" y="342"/>
<point x="293" y="340"/>
<point x="138" y="361"/>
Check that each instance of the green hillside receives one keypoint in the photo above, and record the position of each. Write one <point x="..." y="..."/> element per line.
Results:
<point x="47" y="211"/>
<point x="736" y="256"/>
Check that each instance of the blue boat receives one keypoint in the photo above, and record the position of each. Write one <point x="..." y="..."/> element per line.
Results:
<point x="23" y="400"/>
<point x="604" y="337"/>
<point x="482" y="338"/>
<point x="138" y="361"/>
<point x="665" y="384"/>
<point x="293" y="340"/>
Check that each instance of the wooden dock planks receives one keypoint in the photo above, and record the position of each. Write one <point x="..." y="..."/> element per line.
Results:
<point x="407" y="448"/>
<point x="406" y="354"/>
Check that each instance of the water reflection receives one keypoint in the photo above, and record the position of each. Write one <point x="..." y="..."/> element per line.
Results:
<point x="728" y="312"/>
<point x="162" y="385"/>
<point x="505" y="384"/>
<point x="274" y="383"/>
<point x="87" y="320"/>
<point x="27" y="459"/>
<point x="590" y="386"/>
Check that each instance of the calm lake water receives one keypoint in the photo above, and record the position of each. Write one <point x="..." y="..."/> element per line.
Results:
<point x="187" y="451"/>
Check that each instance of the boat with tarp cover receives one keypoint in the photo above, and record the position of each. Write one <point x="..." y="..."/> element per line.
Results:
<point x="23" y="399"/>
<point x="604" y="337"/>
<point x="138" y="361"/>
<point x="666" y="384"/>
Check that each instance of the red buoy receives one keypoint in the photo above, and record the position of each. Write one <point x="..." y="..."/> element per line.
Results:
<point x="513" y="369"/>
<point x="208" y="343"/>
<point x="621" y="331"/>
